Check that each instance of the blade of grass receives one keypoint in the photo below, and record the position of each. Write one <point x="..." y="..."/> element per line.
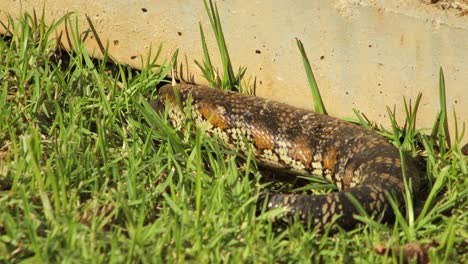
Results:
<point x="440" y="128"/>
<point x="407" y="183"/>
<point x="410" y="122"/>
<point x="229" y="80"/>
<point x="319" y="106"/>
<point x="435" y="190"/>
<point x="207" y="67"/>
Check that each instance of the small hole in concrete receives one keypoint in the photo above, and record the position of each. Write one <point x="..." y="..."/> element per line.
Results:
<point x="346" y="92"/>
<point x="260" y="82"/>
<point x="133" y="57"/>
<point x="456" y="101"/>
<point x="322" y="57"/>
<point x="258" y="51"/>
<point x="179" y="33"/>
<point x="116" y="42"/>
<point x="370" y="46"/>
<point x="144" y="10"/>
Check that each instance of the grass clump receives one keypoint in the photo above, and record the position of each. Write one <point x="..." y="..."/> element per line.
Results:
<point x="88" y="172"/>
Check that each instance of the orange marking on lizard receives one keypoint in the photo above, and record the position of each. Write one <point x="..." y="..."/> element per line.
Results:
<point x="329" y="158"/>
<point x="302" y="151"/>
<point x="210" y="114"/>
<point x="347" y="178"/>
<point x="262" y="142"/>
<point x="165" y="96"/>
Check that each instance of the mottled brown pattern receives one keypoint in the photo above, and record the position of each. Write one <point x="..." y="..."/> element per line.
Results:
<point x="291" y="140"/>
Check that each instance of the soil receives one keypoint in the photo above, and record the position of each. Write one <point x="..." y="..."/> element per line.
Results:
<point x="459" y="6"/>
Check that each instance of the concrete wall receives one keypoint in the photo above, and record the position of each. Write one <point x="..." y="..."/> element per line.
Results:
<point x="365" y="54"/>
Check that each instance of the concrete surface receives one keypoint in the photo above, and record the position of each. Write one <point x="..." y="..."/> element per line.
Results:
<point x="365" y="54"/>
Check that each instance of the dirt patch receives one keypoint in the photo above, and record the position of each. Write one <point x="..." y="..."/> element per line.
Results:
<point x="459" y="6"/>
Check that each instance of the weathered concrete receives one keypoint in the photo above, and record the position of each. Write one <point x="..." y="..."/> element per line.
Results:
<point x="365" y="54"/>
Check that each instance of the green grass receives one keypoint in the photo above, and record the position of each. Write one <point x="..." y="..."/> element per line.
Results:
<point x="88" y="172"/>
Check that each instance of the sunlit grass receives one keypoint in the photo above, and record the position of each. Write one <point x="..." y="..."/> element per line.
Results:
<point x="89" y="173"/>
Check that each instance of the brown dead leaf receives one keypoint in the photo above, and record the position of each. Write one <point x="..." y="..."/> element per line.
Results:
<point x="465" y="150"/>
<point x="4" y="150"/>
<point x="409" y="251"/>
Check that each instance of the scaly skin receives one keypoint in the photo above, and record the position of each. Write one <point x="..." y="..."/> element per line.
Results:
<point x="300" y="142"/>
